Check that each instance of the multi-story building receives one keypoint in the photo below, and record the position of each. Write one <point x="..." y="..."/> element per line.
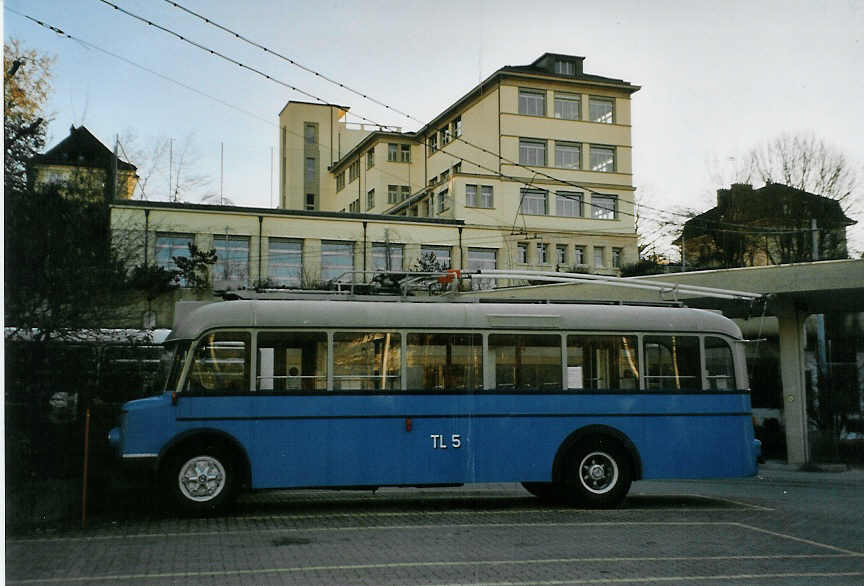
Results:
<point x="541" y="152"/>
<point x="530" y="169"/>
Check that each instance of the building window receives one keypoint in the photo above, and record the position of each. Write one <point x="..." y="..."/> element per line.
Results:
<point x="354" y="206"/>
<point x="442" y="254"/>
<point x="445" y="175"/>
<point x="542" y="253"/>
<point x="433" y="142"/>
<point x="457" y="126"/>
<point x="534" y="202"/>
<point x="392" y="193"/>
<point x="382" y="261"/>
<point x="232" y="258"/>
<point x="370" y="199"/>
<point x="310" y="201"/>
<point x="532" y="102"/>
<point x="337" y="261"/>
<point x="354" y="171"/>
<point x="579" y="255"/>
<point x="603" y="159"/>
<point x="568" y="106"/>
<point x="370" y="158"/>
<point x="568" y="155"/>
<point x="532" y="152"/>
<point x="310" y="133"/>
<point x="601" y="109"/>
<point x="599" y="256"/>
<point x="457" y="168"/>
<point x="568" y="204"/>
<point x="445" y="135"/>
<point x="442" y="200"/>
<point x="481" y="259"/>
<point x="616" y="258"/>
<point x="565" y="67"/>
<point x="561" y="254"/>
<point x="170" y="245"/>
<point x="406" y="153"/>
<point x="340" y="181"/>
<point x="285" y="262"/>
<point x="310" y="170"/>
<point x="392" y="152"/>
<point x="522" y="253"/>
<point x="486" y="197"/>
<point x="604" y="207"/>
<point x="471" y="199"/>
<point x="406" y="192"/>
<point x="423" y="209"/>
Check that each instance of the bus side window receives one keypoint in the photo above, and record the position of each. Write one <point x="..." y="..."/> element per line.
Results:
<point x="444" y="361"/>
<point x="672" y="363"/>
<point x="528" y="362"/>
<point x="220" y="364"/>
<point x="291" y="361"/>
<point x="719" y="364"/>
<point x="602" y="362"/>
<point x="367" y="361"/>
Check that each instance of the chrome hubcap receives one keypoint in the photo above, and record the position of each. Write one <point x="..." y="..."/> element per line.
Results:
<point x="202" y="478"/>
<point x="598" y="472"/>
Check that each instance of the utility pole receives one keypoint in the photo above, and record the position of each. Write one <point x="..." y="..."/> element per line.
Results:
<point x="170" y="169"/>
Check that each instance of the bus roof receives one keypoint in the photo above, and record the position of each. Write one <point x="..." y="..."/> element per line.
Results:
<point x="320" y="314"/>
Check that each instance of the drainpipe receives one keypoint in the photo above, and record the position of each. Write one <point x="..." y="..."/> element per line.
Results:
<point x="260" y="238"/>
<point x="364" y="250"/>
<point x="146" y="234"/>
<point x="461" y="252"/>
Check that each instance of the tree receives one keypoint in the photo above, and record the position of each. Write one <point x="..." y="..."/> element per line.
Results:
<point x="802" y="161"/>
<point x="167" y="168"/>
<point x="194" y="270"/>
<point x="26" y="87"/>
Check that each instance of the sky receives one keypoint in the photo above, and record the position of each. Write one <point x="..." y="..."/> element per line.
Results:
<point x="717" y="77"/>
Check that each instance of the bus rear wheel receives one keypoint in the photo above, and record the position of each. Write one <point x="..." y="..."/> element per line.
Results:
<point x="200" y="480"/>
<point x="598" y="474"/>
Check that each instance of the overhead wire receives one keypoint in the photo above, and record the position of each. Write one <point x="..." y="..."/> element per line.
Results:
<point x="534" y="170"/>
<point x="372" y="122"/>
<point x="63" y="33"/>
<point x="90" y="45"/>
<point x="236" y="62"/>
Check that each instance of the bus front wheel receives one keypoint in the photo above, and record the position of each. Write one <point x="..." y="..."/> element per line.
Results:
<point x="200" y="480"/>
<point x="598" y="473"/>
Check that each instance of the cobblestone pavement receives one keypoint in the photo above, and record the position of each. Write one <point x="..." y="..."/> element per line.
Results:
<point x="783" y="526"/>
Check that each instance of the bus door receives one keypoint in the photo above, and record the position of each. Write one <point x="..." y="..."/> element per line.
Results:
<point x="216" y="394"/>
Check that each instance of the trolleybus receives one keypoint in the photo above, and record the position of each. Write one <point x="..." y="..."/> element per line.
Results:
<point x="575" y="401"/>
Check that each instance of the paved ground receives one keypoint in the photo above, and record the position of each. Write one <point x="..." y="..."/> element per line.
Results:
<point x="783" y="526"/>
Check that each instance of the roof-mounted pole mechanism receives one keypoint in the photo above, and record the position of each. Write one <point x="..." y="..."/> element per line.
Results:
<point x="660" y="287"/>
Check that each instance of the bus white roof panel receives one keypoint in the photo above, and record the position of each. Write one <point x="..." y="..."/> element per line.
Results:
<point x="443" y="316"/>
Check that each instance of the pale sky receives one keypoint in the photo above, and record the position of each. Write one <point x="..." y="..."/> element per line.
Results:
<point x="716" y="77"/>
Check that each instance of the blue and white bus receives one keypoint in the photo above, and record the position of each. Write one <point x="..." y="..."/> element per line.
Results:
<point x="575" y="401"/>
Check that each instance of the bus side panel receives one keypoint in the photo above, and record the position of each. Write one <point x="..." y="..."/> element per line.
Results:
<point x="371" y="440"/>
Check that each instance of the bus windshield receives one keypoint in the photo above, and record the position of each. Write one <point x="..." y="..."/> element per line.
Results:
<point x="171" y="365"/>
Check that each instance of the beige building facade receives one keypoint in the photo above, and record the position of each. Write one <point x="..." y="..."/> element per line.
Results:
<point x="530" y="169"/>
<point x="542" y="153"/>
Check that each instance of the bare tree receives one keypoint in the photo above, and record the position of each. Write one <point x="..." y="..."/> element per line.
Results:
<point x="802" y="161"/>
<point x="167" y="169"/>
